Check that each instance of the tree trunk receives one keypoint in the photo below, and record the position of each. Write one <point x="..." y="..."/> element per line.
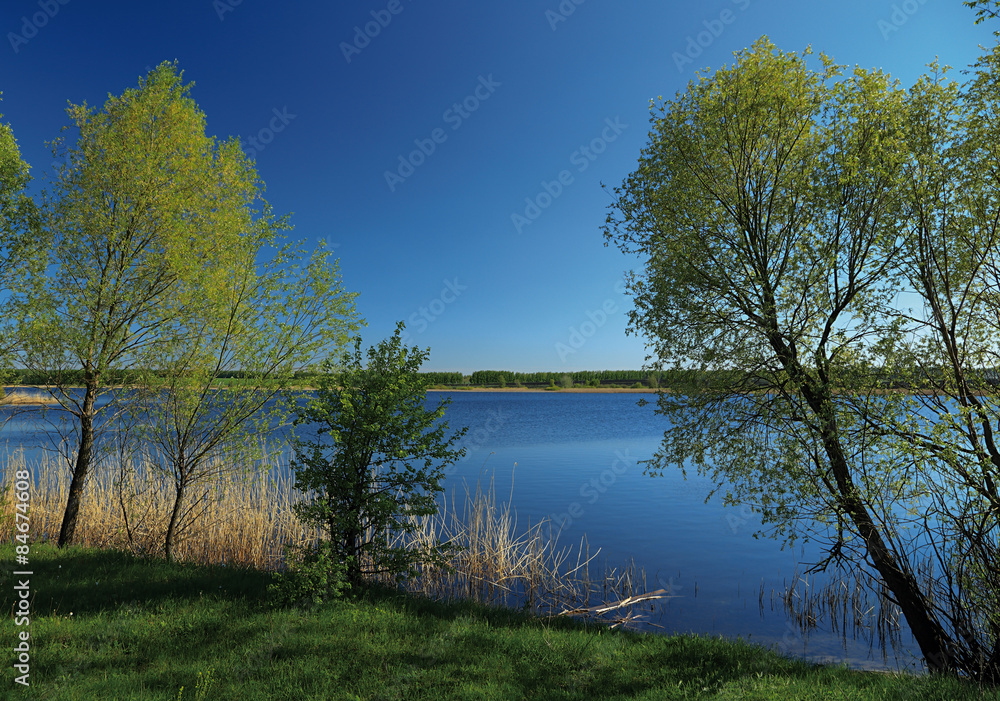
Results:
<point x="935" y="644"/>
<point x="168" y="543"/>
<point x="82" y="468"/>
<point x="352" y="545"/>
<point x="354" y="536"/>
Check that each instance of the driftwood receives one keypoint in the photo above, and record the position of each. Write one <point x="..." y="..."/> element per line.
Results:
<point x="605" y="608"/>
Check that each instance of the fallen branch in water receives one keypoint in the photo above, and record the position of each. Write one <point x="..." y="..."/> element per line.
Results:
<point x="627" y="601"/>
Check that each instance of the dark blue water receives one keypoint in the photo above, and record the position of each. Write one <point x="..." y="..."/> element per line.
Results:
<point x="575" y="459"/>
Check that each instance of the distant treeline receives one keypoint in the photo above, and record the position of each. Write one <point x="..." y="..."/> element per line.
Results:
<point x="986" y="378"/>
<point x="508" y="378"/>
<point x="480" y="378"/>
<point x="66" y="377"/>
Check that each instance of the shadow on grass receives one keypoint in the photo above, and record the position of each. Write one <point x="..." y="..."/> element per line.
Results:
<point x="381" y="643"/>
<point x="87" y="580"/>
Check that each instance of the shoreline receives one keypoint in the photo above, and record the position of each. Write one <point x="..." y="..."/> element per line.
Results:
<point x="17" y="398"/>
<point x="560" y="390"/>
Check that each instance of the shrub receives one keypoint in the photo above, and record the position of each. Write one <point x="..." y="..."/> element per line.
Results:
<point x="314" y="574"/>
<point x="376" y="466"/>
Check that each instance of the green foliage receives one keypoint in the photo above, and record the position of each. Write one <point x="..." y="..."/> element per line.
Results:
<point x="201" y="687"/>
<point x="492" y="377"/>
<point x="379" y="462"/>
<point x="780" y="211"/>
<point x="314" y="574"/>
<point x="760" y="255"/>
<point x="146" y="216"/>
<point x="167" y="269"/>
<point x="985" y="9"/>
<point x="281" y="314"/>
<point x="22" y="239"/>
<point x="443" y="378"/>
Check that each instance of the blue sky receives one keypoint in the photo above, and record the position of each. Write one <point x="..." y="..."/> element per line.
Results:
<point x="453" y="152"/>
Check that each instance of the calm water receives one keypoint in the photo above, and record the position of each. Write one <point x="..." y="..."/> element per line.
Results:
<point x="574" y="459"/>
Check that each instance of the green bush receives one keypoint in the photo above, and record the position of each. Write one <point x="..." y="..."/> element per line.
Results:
<point x="314" y="575"/>
<point x="375" y="468"/>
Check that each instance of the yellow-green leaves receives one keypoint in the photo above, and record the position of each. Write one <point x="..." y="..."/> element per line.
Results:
<point x="167" y="263"/>
<point x="787" y="216"/>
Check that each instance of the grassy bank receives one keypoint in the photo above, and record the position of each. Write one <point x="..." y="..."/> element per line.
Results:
<point x="111" y="619"/>
<point x="109" y="625"/>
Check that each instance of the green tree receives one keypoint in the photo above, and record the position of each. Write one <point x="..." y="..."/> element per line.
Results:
<point x="21" y="237"/>
<point x="945" y="433"/>
<point x="146" y="218"/>
<point x="276" y="317"/>
<point x="766" y="208"/>
<point x="377" y="464"/>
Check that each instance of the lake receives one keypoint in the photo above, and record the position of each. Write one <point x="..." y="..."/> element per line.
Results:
<point x="574" y="458"/>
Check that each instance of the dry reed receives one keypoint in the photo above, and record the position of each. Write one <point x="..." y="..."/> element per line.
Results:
<point x="246" y="522"/>
<point x="241" y="521"/>
<point x="859" y="609"/>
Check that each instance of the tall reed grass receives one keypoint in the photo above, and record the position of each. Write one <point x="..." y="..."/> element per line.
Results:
<point x="240" y="521"/>
<point x="246" y="521"/>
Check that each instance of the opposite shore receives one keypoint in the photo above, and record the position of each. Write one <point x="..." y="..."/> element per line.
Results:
<point x="595" y="390"/>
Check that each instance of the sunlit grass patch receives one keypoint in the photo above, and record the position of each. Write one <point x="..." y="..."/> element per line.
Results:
<point x="107" y="624"/>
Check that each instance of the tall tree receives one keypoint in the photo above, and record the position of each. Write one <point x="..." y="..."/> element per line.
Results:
<point x="274" y="318"/>
<point x="767" y="209"/>
<point x="146" y="215"/>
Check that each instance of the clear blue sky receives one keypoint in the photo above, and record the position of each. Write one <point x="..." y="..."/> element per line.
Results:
<point x="508" y="95"/>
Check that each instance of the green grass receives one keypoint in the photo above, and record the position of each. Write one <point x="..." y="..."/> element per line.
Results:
<point x="107" y="625"/>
